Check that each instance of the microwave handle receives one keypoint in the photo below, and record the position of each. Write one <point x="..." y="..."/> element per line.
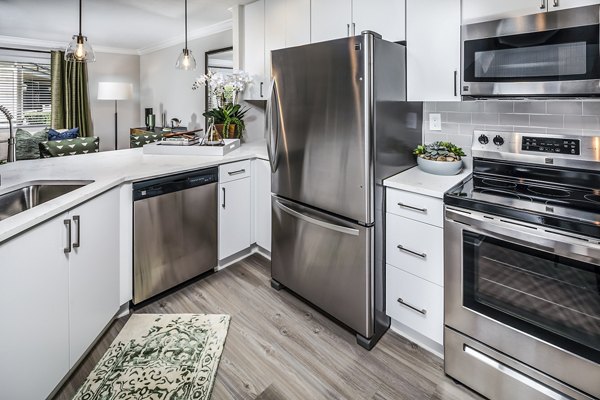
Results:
<point x="455" y="84"/>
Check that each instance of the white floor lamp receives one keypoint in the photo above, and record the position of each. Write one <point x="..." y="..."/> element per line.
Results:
<point x="115" y="91"/>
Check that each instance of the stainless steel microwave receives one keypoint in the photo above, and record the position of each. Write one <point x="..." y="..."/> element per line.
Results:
<point x="547" y="54"/>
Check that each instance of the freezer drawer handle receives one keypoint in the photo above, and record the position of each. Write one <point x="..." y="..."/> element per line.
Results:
<point x="320" y="223"/>
<point x="423" y="210"/>
<point x="414" y="253"/>
<point x="422" y="311"/>
<point x="239" y="171"/>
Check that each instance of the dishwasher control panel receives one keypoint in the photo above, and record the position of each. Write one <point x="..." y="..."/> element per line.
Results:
<point x="174" y="183"/>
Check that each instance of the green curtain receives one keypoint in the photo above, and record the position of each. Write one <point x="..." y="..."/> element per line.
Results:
<point x="70" y="95"/>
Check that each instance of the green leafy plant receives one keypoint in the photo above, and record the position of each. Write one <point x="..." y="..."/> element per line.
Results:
<point x="230" y="114"/>
<point x="439" y="151"/>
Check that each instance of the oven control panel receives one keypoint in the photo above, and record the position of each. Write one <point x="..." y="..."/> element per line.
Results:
<point x="551" y="145"/>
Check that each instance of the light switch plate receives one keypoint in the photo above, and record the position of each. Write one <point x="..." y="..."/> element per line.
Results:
<point x="435" y="122"/>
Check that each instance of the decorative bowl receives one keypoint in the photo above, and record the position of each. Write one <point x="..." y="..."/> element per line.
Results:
<point x="439" y="167"/>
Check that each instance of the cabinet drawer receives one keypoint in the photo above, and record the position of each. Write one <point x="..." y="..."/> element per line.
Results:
<point x="415" y="206"/>
<point x="416" y="303"/>
<point x="233" y="171"/>
<point x="415" y="247"/>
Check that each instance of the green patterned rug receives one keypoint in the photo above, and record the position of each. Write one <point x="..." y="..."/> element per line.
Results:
<point x="159" y="356"/>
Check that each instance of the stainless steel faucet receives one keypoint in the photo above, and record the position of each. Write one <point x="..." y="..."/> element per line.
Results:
<point x="12" y="145"/>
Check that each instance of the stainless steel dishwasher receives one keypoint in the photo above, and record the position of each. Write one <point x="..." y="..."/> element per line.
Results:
<point x="174" y="230"/>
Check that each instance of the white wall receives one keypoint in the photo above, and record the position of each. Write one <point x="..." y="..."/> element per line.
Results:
<point x="169" y="90"/>
<point x="114" y="68"/>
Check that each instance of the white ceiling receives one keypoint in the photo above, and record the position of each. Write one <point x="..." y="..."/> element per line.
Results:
<point x="121" y="24"/>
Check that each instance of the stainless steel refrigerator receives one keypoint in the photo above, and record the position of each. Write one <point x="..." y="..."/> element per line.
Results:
<point x="338" y="124"/>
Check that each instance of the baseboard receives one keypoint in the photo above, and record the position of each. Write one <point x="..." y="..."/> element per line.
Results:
<point x="417" y="338"/>
<point x="226" y="262"/>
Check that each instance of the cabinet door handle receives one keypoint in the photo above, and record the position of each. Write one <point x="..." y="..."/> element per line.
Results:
<point x="455" y="84"/>
<point x="543" y="4"/>
<point x="77" y="221"/>
<point x="555" y="3"/>
<point x="414" y="253"/>
<point x="239" y="171"/>
<point x="353" y="29"/>
<point x="223" y="204"/>
<point x="67" y="223"/>
<point x="423" y="210"/>
<point x="261" y="88"/>
<point x="348" y="30"/>
<point x="421" y="311"/>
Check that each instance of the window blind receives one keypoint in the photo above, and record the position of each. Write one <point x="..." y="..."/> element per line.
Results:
<point x="25" y="91"/>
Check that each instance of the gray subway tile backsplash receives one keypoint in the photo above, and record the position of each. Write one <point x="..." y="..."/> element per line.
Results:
<point x="558" y="117"/>
<point x="546" y="120"/>
<point x="514" y="119"/>
<point x="564" y="107"/>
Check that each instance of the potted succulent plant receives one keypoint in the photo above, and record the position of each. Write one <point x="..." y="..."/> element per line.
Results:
<point x="439" y="158"/>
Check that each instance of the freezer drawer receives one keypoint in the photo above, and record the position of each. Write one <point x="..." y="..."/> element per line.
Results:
<point x="326" y="260"/>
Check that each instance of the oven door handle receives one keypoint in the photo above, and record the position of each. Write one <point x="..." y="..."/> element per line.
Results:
<point x="520" y="233"/>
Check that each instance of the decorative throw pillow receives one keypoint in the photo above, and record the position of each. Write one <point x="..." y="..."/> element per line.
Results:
<point x="27" y="147"/>
<point x="69" y="147"/>
<point x="142" y="139"/>
<point x="61" y="134"/>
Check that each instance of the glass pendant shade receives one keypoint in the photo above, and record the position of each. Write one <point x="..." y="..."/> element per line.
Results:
<point x="186" y="61"/>
<point x="80" y="50"/>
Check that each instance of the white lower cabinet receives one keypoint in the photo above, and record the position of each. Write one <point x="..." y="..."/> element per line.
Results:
<point x="235" y="208"/>
<point x="262" y="203"/>
<point x="59" y="287"/>
<point x="414" y="240"/>
<point x="93" y="271"/>
<point x="34" y="304"/>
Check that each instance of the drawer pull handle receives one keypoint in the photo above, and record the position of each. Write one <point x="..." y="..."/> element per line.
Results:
<point x="423" y="210"/>
<point x="239" y="171"/>
<point x="414" y="253"/>
<point x="423" y="311"/>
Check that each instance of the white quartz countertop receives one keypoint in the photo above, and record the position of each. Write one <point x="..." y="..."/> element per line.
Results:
<point x="416" y="181"/>
<point x="107" y="169"/>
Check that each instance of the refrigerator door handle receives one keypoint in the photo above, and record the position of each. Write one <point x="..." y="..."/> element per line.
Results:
<point x="315" y="221"/>
<point x="272" y="128"/>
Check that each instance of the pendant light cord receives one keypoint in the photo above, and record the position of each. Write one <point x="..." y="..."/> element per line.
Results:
<point x="80" y="17"/>
<point x="185" y="24"/>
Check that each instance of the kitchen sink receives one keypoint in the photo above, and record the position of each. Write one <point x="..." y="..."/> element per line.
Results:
<point x="32" y="194"/>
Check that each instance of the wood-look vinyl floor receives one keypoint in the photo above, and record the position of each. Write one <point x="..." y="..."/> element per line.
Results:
<point x="278" y="347"/>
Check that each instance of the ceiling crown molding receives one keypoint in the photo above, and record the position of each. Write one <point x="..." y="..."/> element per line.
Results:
<point x="37" y="44"/>
<point x="219" y="27"/>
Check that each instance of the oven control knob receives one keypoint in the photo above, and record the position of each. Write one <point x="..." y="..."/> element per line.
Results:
<point x="483" y="139"/>
<point x="498" y="140"/>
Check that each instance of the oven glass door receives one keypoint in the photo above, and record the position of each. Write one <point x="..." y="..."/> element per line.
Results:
<point x="551" y="297"/>
<point x="555" y="55"/>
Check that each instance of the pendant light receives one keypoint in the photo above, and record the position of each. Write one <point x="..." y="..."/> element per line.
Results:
<point x="80" y="50"/>
<point x="186" y="60"/>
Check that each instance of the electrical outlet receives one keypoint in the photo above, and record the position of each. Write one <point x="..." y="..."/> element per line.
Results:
<point x="435" y="122"/>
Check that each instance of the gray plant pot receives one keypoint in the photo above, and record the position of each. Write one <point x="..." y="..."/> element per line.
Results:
<point x="439" y="167"/>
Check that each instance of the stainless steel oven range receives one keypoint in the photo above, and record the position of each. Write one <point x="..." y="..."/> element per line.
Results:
<point x="522" y="268"/>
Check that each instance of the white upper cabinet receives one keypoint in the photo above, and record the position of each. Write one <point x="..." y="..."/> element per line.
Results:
<point x="330" y="19"/>
<point x="433" y="55"/>
<point x="563" y="4"/>
<point x="382" y="16"/>
<point x="297" y="23"/>
<point x="488" y="10"/>
<point x="334" y="19"/>
<point x="254" y="49"/>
